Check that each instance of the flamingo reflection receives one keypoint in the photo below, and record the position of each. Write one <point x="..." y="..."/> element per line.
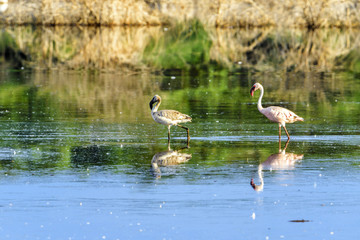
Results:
<point x="168" y="158"/>
<point x="278" y="161"/>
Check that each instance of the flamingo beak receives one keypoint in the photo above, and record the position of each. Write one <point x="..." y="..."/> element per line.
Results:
<point x="252" y="90"/>
<point x="151" y="103"/>
<point x="153" y="100"/>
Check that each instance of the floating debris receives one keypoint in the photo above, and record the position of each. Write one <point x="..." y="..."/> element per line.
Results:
<point x="300" y="220"/>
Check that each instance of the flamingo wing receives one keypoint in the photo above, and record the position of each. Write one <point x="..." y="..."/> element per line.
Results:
<point x="280" y="114"/>
<point x="173" y="115"/>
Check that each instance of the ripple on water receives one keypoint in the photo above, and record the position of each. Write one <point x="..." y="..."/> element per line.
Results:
<point x="348" y="139"/>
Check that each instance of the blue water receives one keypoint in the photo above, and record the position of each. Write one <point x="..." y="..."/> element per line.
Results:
<point x="191" y="200"/>
<point x="87" y="166"/>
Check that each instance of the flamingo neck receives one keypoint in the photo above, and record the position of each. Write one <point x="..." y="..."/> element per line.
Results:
<point x="259" y="106"/>
<point x="155" y="107"/>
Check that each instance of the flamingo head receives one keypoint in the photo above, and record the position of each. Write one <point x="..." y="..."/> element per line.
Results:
<point x="255" y="87"/>
<point x="155" y="99"/>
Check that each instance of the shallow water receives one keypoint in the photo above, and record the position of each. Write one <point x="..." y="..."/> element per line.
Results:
<point x="76" y="159"/>
<point x="81" y="157"/>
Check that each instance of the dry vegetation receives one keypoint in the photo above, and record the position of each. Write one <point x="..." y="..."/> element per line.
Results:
<point x="219" y="13"/>
<point x="280" y="43"/>
<point x="84" y="48"/>
<point x="292" y="49"/>
<point x="113" y="48"/>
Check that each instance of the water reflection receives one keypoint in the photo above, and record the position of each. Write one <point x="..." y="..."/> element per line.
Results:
<point x="168" y="158"/>
<point x="93" y="155"/>
<point x="277" y="161"/>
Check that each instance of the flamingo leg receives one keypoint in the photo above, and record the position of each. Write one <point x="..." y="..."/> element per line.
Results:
<point x="279" y="146"/>
<point x="286" y="144"/>
<point x="188" y="134"/>
<point x="279" y="132"/>
<point x="286" y="132"/>
<point x="169" y="135"/>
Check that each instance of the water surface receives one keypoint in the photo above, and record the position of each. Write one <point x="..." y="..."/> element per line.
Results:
<point x="80" y="156"/>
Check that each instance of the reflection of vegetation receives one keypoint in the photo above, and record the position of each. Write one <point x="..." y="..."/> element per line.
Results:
<point x="9" y="51"/>
<point x="22" y="102"/>
<point x="117" y="98"/>
<point x="75" y="48"/>
<point x="350" y="61"/>
<point x="50" y="126"/>
<point x="93" y="156"/>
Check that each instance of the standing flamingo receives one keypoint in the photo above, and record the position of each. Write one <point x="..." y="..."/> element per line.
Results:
<point x="168" y="117"/>
<point x="3" y="5"/>
<point x="275" y="114"/>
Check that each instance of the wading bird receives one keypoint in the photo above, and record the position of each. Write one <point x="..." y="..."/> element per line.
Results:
<point x="275" y="114"/>
<point x="3" y="5"/>
<point x="168" y="117"/>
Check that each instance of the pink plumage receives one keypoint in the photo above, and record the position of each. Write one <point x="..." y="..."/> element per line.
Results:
<point x="276" y="114"/>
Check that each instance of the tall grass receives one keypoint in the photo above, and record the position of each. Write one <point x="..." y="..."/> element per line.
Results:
<point x="185" y="47"/>
<point x="221" y="13"/>
<point x="81" y="48"/>
<point x="293" y="50"/>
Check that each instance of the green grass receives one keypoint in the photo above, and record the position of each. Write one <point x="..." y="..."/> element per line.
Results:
<point x="186" y="46"/>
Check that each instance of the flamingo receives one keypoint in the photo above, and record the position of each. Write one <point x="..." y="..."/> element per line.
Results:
<point x="274" y="113"/>
<point x="3" y="5"/>
<point x="168" y="117"/>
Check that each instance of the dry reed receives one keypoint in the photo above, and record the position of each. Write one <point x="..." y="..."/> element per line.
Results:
<point x="288" y="49"/>
<point x="84" y="48"/>
<point x="219" y="13"/>
<point x="123" y="48"/>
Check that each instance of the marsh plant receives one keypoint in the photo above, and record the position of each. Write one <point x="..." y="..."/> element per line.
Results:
<point x="223" y="13"/>
<point x="185" y="47"/>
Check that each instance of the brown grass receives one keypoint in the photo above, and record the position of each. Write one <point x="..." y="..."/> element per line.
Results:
<point x="220" y="13"/>
<point x="288" y="49"/>
<point x="122" y="48"/>
<point x="84" y="48"/>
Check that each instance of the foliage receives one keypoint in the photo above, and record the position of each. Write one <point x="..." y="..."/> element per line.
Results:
<point x="182" y="47"/>
<point x="191" y="47"/>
